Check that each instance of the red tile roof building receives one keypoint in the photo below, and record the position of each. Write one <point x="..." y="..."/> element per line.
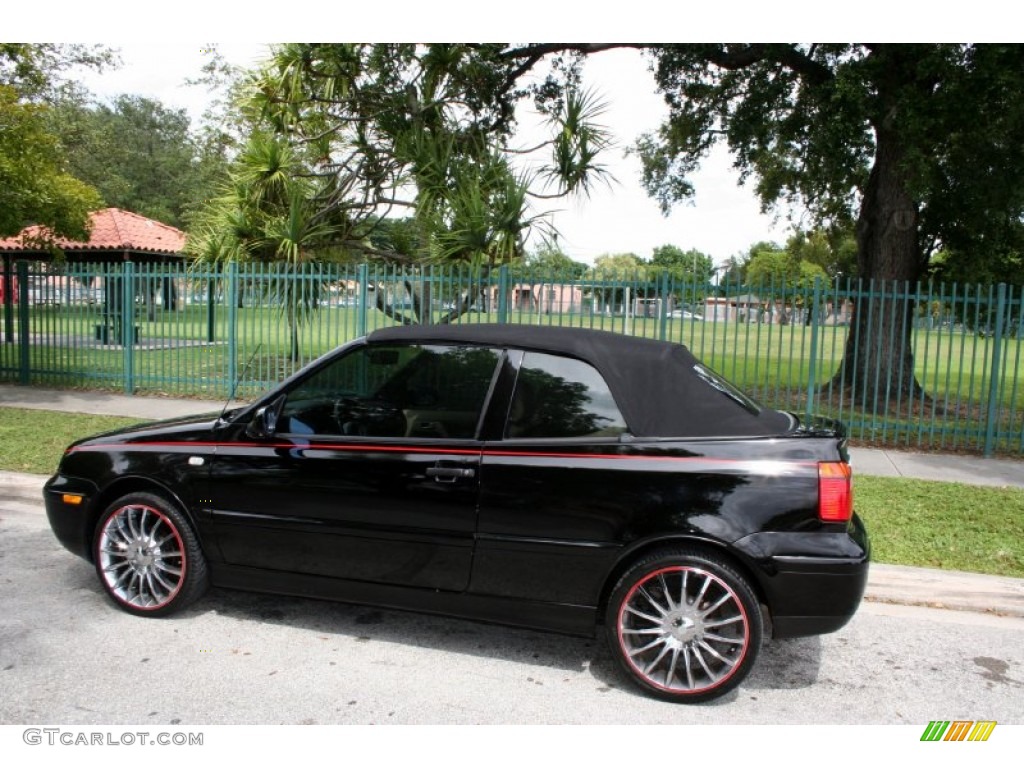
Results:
<point x="116" y="235"/>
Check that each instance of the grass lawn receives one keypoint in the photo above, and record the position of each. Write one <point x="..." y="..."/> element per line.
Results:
<point x="943" y="525"/>
<point x="911" y="522"/>
<point x="33" y="441"/>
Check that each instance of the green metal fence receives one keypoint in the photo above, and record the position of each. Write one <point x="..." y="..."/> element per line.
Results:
<point x="203" y="332"/>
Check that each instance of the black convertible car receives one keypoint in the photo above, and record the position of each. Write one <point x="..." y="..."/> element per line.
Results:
<point x="554" y="478"/>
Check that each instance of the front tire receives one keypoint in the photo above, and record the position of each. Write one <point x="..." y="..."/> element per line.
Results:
<point x="147" y="556"/>
<point x="685" y="625"/>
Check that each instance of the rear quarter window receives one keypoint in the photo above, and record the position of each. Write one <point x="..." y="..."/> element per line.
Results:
<point x="561" y="397"/>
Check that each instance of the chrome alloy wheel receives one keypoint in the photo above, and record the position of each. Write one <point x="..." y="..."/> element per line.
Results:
<point x="683" y="630"/>
<point x="141" y="557"/>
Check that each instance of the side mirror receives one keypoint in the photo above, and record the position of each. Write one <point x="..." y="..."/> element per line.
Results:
<point x="264" y="421"/>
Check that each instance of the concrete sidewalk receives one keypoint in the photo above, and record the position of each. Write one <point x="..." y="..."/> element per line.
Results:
<point x="887" y="583"/>
<point x="950" y="468"/>
<point x="104" y="403"/>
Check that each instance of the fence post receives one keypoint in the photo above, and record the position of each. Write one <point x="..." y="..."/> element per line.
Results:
<point x="503" y="293"/>
<point x="211" y="302"/>
<point x="813" y="370"/>
<point x="23" y="328"/>
<point x="128" y="326"/>
<point x="627" y="322"/>
<point x="364" y="279"/>
<point x="9" y="295"/>
<point x="232" y="300"/>
<point x="662" y="304"/>
<point x="994" y="378"/>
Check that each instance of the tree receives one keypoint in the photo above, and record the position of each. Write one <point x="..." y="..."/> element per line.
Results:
<point x="139" y="154"/>
<point x="834" y="251"/>
<point x="612" y="273"/>
<point x="35" y="184"/>
<point x="400" y="236"/>
<point x="1002" y="264"/>
<point x="903" y="138"/>
<point x="264" y="214"/>
<point x="619" y="266"/>
<point x="426" y="131"/>
<point x="690" y="266"/>
<point x="550" y="261"/>
<point x="690" y="272"/>
<point x="734" y="271"/>
<point x="778" y="270"/>
<point x="38" y="71"/>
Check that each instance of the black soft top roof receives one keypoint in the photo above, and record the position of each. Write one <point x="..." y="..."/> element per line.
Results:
<point x="660" y="387"/>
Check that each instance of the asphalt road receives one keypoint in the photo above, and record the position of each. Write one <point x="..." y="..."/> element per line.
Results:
<point x="68" y="656"/>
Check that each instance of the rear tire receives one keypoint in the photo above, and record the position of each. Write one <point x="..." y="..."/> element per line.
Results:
<point x="147" y="556"/>
<point x="684" y="624"/>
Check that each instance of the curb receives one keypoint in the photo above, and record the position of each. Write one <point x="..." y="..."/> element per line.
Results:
<point x="18" y="486"/>
<point x="949" y="590"/>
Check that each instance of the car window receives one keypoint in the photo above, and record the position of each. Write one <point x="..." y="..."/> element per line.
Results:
<point x="561" y="397"/>
<point x="394" y="391"/>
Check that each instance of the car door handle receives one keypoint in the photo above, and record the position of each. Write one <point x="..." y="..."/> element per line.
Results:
<point x="450" y="474"/>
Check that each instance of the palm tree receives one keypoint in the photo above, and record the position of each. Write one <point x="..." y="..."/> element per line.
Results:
<point x="266" y="214"/>
<point x="351" y="133"/>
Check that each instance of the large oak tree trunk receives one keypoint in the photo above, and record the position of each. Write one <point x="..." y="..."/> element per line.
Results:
<point x="878" y="364"/>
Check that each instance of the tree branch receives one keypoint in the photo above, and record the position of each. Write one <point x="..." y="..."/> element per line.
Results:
<point x="537" y="51"/>
<point x="534" y="52"/>
<point x="786" y="55"/>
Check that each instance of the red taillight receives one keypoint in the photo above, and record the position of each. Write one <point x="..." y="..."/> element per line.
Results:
<point x="835" y="491"/>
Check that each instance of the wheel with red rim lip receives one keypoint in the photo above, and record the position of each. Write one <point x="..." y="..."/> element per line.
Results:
<point x="147" y="556"/>
<point x="685" y="625"/>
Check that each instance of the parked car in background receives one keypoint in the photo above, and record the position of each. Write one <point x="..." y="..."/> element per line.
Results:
<point x="559" y="479"/>
<point x="685" y="314"/>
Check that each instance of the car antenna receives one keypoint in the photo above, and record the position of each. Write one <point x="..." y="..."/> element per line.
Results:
<point x="234" y="384"/>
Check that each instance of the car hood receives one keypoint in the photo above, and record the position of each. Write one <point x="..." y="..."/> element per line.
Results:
<point x="180" y="429"/>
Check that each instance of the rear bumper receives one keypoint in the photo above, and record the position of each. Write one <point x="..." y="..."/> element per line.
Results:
<point x="815" y="597"/>
<point x="813" y="583"/>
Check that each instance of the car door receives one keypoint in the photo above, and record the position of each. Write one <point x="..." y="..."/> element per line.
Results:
<point x="552" y="506"/>
<point x="371" y="474"/>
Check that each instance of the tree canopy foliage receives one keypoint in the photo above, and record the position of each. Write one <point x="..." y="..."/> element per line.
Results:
<point x="36" y="186"/>
<point x="38" y="72"/>
<point x="139" y="154"/>
<point x="835" y="251"/>
<point x="907" y="140"/>
<point x="911" y="142"/>
<point x="63" y="154"/>
<point x="347" y="138"/>
<point x="781" y="270"/>
<point x="550" y="260"/>
<point x="423" y="132"/>
<point x="906" y="144"/>
<point x="690" y="265"/>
